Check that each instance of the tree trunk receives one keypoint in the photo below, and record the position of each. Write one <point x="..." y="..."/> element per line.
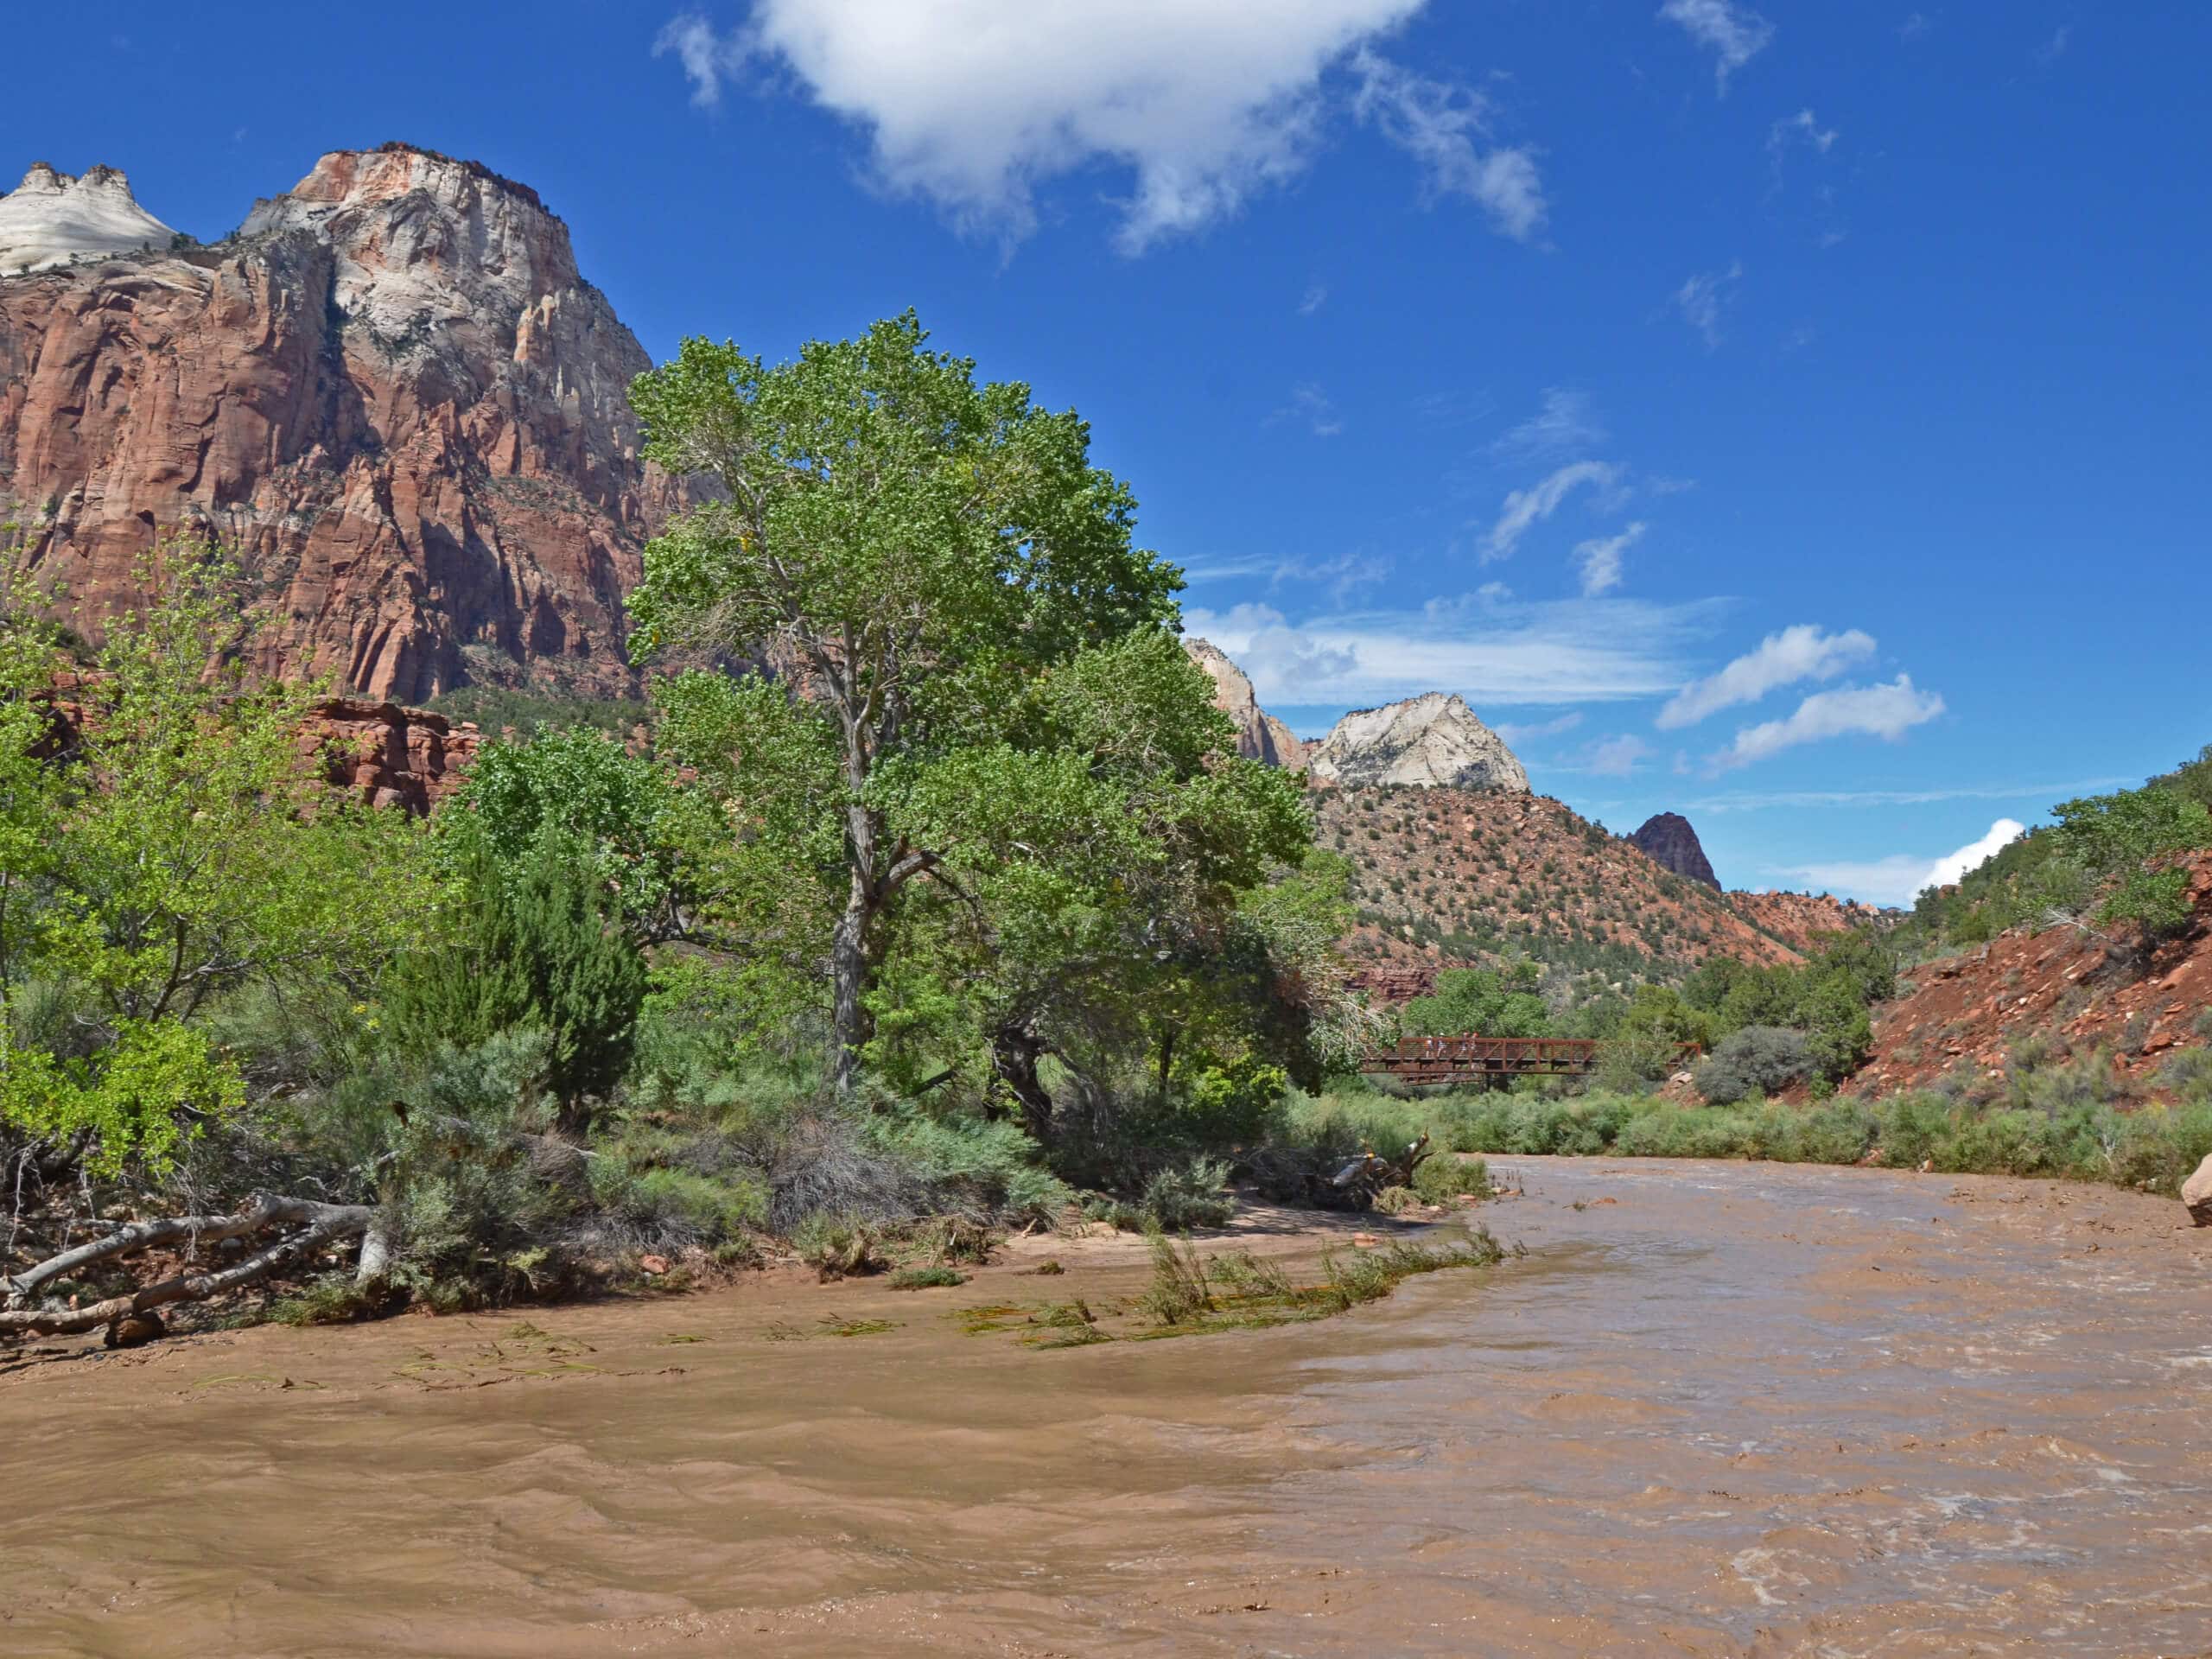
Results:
<point x="323" y="1222"/>
<point x="848" y="976"/>
<point x="1015" y="1051"/>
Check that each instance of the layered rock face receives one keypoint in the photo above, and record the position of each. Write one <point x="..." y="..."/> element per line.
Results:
<point x="390" y="393"/>
<point x="1669" y="842"/>
<point x="1260" y="735"/>
<point x="53" y="219"/>
<point x="1432" y="741"/>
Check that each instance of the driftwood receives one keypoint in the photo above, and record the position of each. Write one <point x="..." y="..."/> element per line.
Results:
<point x="318" y="1223"/>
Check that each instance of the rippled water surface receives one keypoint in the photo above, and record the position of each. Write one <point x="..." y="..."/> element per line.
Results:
<point x="1717" y="1410"/>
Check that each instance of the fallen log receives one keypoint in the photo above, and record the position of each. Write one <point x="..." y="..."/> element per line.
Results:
<point x="318" y="1224"/>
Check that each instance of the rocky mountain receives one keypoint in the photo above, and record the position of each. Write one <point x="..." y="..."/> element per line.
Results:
<point x="1260" y="735"/>
<point x="1799" y="920"/>
<point x="1432" y="741"/>
<point x="391" y="391"/>
<point x="53" y="219"/>
<point x="1445" y="877"/>
<point x="1668" y="842"/>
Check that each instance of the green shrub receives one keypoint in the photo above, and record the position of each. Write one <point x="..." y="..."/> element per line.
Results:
<point x="1444" y="1177"/>
<point x="1756" y="1060"/>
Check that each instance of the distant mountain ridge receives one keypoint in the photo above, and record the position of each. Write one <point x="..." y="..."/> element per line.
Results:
<point x="1431" y="741"/>
<point x="391" y="392"/>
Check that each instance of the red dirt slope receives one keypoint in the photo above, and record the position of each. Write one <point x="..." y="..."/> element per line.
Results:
<point x="1969" y="1010"/>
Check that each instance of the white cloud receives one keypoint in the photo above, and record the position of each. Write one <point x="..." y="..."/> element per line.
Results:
<point x="1704" y="297"/>
<point x="2054" y="49"/>
<point x="1914" y="26"/>
<point x="1518" y="732"/>
<point x="1736" y="34"/>
<point x="1802" y="652"/>
<point x="1316" y="297"/>
<point x="1949" y="867"/>
<point x="1616" y="757"/>
<point x="1803" y="128"/>
<point x="973" y="104"/>
<point x="1600" y="561"/>
<point x="1492" y="650"/>
<point x="1444" y="127"/>
<point x="1525" y="508"/>
<point x="706" y="57"/>
<point x="1883" y="711"/>
<point x="1565" y="425"/>
<point x="1310" y="406"/>
<point x="1900" y="878"/>
<point x="1278" y="657"/>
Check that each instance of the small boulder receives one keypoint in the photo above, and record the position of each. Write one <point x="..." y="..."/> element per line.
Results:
<point x="2197" y="1193"/>
<point x="653" y="1265"/>
<point x="135" y="1330"/>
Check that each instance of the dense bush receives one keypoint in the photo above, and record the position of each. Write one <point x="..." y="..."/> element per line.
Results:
<point x="1756" y="1060"/>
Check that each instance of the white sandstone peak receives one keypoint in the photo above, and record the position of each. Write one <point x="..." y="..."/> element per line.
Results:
<point x="1433" y="741"/>
<point x="53" y="218"/>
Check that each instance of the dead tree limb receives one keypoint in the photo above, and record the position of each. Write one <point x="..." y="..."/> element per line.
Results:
<point x="319" y="1222"/>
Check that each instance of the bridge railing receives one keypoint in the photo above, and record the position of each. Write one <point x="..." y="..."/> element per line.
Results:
<point x="1443" y="1059"/>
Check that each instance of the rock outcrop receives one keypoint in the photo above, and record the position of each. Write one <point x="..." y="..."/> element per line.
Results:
<point x="1668" y="842"/>
<point x="1260" y="735"/>
<point x="379" y="753"/>
<point x="391" y="392"/>
<point x="1432" y="741"/>
<point x="2197" y="1193"/>
<point x="1800" y="920"/>
<point x="387" y="755"/>
<point x="53" y="219"/>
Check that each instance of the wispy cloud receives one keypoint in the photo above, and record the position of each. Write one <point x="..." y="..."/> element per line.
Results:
<point x="1792" y="131"/>
<point x="1203" y="103"/>
<point x="1491" y="649"/>
<point x="2054" y="49"/>
<point x="1524" y="509"/>
<point x="1597" y="562"/>
<point x="1901" y="878"/>
<point x="1734" y="34"/>
<point x="1705" y="297"/>
<point x="1883" y="711"/>
<point x="1564" y="425"/>
<point x="1617" y="757"/>
<point x="1446" y="129"/>
<point x="1799" y="800"/>
<point x="1916" y="26"/>
<point x="1316" y="297"/>
<point x="1310" y="407"/>
<point x="1802" y="652"/>
<point x="1519" y="732"/>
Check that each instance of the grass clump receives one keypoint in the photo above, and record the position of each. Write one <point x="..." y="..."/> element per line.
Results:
<point x="1447" y="1176"/>
<point x="934" y="1278"/>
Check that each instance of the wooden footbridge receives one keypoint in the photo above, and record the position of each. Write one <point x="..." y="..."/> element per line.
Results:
<point x="1477" y="1060"/>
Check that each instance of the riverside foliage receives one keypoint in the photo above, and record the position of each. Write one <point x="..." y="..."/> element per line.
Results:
<point x="931" y="885"/>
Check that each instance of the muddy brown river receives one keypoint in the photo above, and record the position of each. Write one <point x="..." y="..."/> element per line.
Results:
<point x="1717" y="1410"/>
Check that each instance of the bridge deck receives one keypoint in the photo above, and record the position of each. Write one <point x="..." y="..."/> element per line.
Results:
<point x="1462" y="1060"/>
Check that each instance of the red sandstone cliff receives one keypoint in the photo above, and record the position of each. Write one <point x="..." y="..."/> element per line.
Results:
<point x="391" y="392"/>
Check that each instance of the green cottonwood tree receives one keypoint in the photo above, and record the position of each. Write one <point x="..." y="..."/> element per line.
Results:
<point x="910" y="548"/>
<point x="172" y="847"/>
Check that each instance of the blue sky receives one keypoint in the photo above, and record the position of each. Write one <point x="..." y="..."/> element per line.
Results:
<point x="1794" y="416"/>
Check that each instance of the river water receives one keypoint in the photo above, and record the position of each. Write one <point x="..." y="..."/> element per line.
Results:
<point x="1717" y="1410"/>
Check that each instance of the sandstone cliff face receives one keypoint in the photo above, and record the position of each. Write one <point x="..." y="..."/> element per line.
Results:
<point x="1260" y="735"/>
<point x="1800" y="919"/>
<point x="391" y="392"/>
<point x="1668" y="842"/>
<point x="1432" y="741"/>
